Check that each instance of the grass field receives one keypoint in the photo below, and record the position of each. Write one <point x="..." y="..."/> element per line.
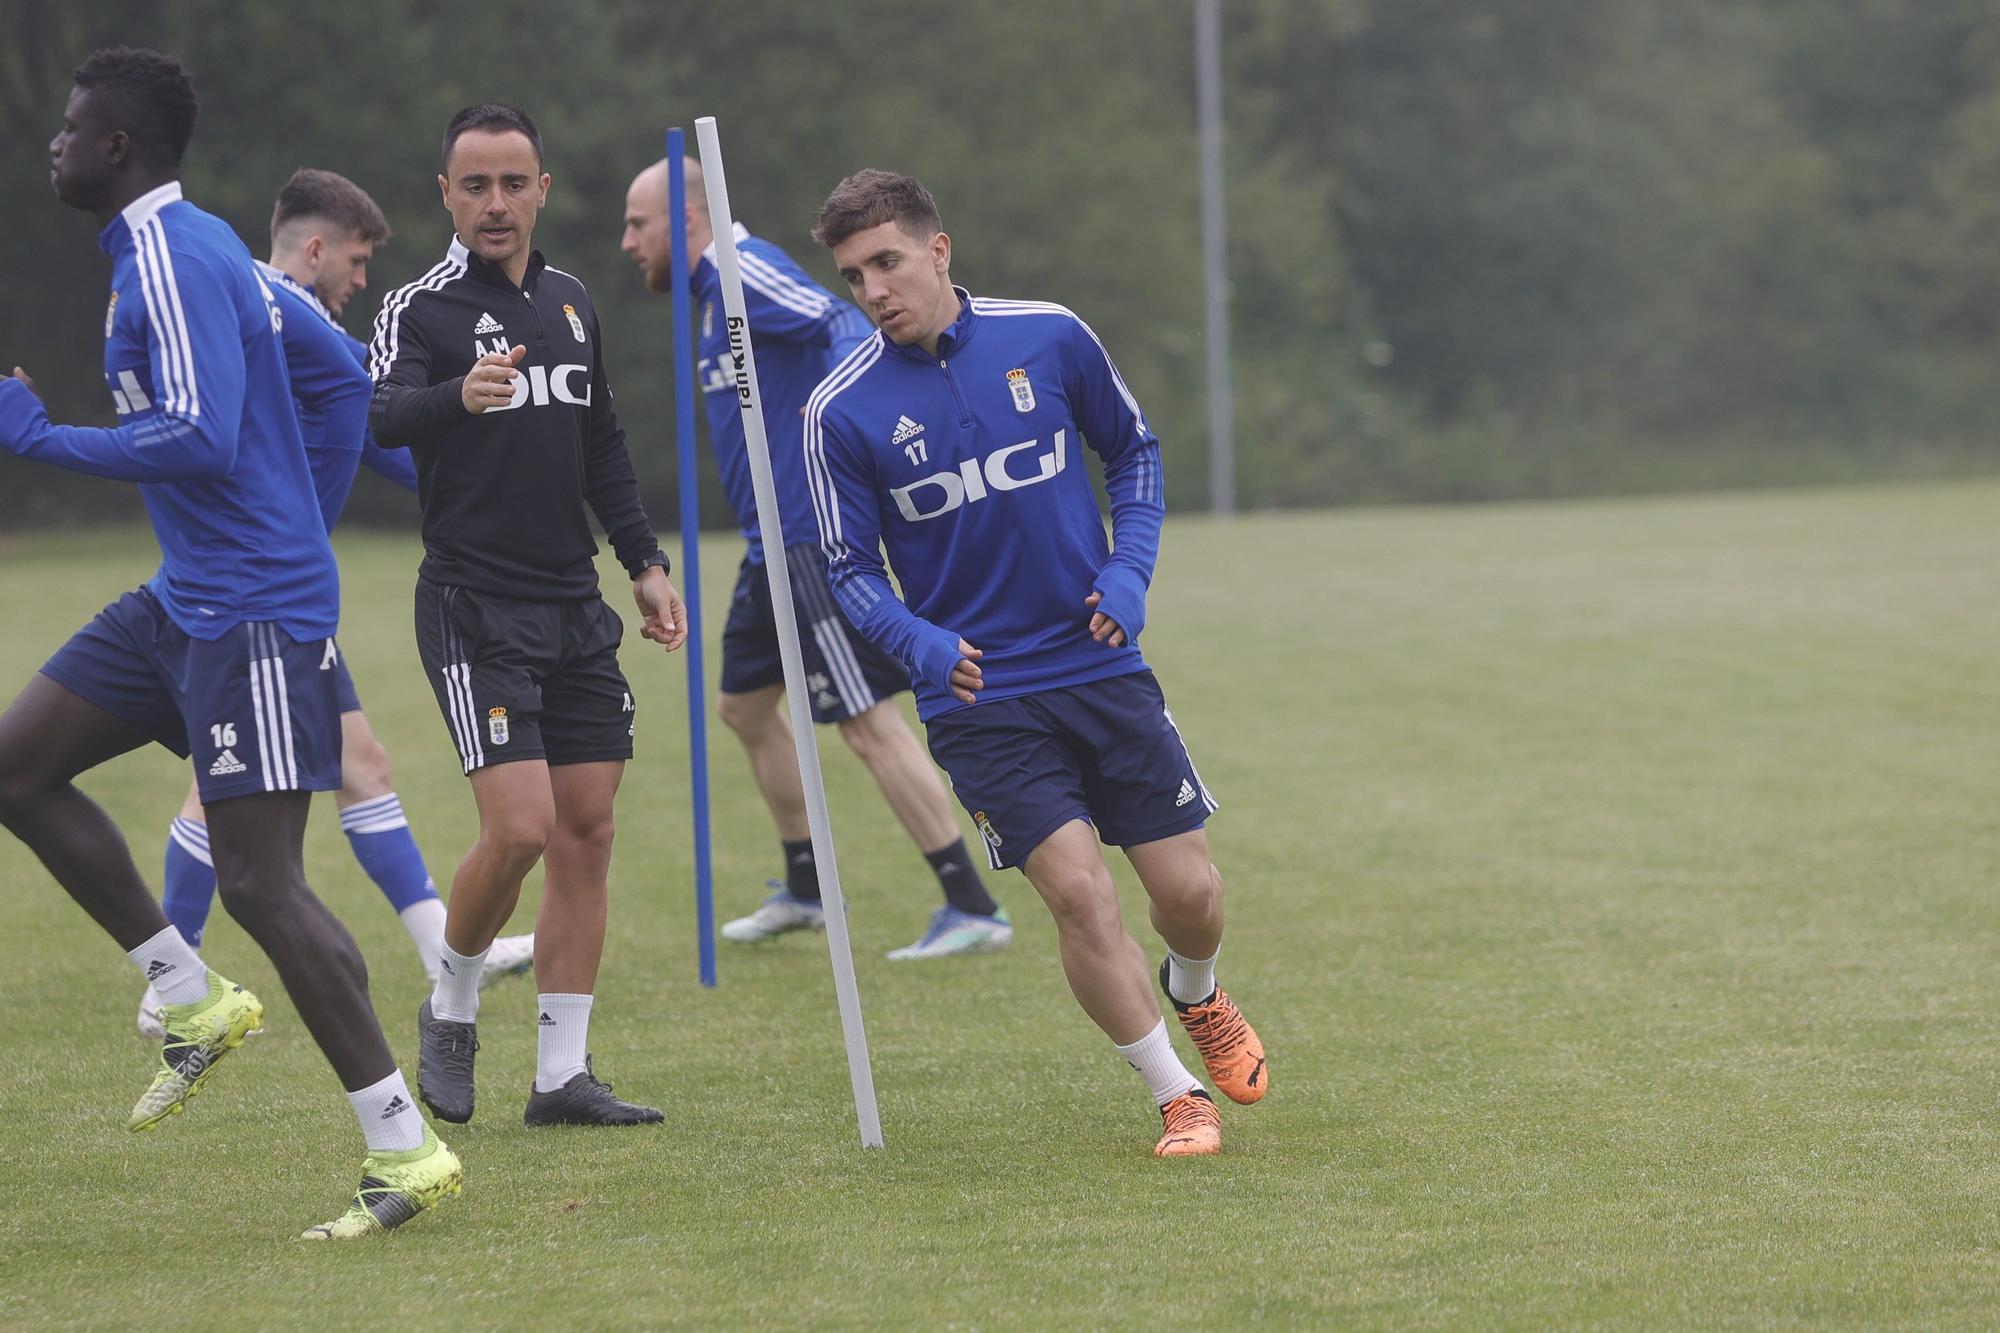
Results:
<point x="1612" y="884"/>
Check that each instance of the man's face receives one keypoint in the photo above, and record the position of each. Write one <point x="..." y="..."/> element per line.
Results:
<point x="494" y="189"/>
<point x="343" y="269"/>
<point x="900" y="282"/>
<point x="648" y="238"/>
<point x="80" y="155"/>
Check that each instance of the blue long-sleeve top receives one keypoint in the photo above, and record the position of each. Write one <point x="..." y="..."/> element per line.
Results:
<point x="194" y="360"/>
<point x="799" y="332"/>
<point x="967" y="468"/>
<point x="330" y="385"/>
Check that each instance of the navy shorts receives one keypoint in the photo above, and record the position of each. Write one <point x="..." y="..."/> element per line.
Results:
<point x="343" y="685"/>
<point x="845" y="674"/>
<point x="520" y="679"/>
<point x="256" y="710"/>
<point x="1106" y="752"/>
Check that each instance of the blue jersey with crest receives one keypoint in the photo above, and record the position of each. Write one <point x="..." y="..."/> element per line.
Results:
<point x="799" y="332"/>
<point x="331" y="387"/>
<point x="207" y="426"/>
<point x="968" y="468"/>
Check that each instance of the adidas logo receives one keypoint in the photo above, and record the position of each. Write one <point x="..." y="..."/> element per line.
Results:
<point x="1187" y="793"/>
<point x="487" y="324"/>
<point x="395" y="1107"/>
<point x="227" y="763"/>
<point x="905" y="429"/>
<point x="546" y="1021"/>
<point x="157" y="969"/>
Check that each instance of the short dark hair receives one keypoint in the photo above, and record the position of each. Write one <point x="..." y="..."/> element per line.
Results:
<point x="329" y="196"/>
<point x="153" y="96"/>
<point x="490" y="116"/>
<point x="872" y="197"/>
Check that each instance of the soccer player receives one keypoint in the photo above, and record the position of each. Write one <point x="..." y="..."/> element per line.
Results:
<point x="225" y="655"/>
<point x="491" y="367"/>
<point x="324" y="230"/>
<point x="954" y="439"/>
<point x="801" y="332"/>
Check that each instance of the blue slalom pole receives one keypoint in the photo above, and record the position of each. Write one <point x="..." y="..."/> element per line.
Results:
<point x="704" y="878"/>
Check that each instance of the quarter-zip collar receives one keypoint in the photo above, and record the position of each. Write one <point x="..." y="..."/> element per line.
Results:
<point x="137" y="214"/>
<point x="485" y="270"/>
<point x="707" y="255"/>
<point x="951" y="341"/>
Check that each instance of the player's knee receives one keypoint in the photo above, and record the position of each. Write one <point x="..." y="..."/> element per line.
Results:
<point x="517" y="842"/>
<point x="517" y="847"/>
<point x="260" y="903"/>
<point x="864" y="736"/>
<point x="1196" y="893"/>
<point x="22" y="783"/>
<point x="748" y="715"/>
<point x="18" y="789"/>
<point x="364" y="770"/>
<point x="592" y="834"/>
<point x="1083" y="903"/>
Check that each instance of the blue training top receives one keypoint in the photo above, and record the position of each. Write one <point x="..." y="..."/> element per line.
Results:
<point x="968" y="468"/>
<point x="207" y="426"/>
<point x="331" y="389"/>
<point x="799" y="331"/>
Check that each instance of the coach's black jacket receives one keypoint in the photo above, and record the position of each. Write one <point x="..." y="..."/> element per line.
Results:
<point x="504" y="491"/>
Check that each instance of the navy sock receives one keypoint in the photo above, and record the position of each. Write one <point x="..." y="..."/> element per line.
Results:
<point x="801" y="871"/>
<point x="963" y="888"/>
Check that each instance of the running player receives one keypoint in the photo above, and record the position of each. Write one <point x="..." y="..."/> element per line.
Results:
<point x="324" y="230"/>
<point x="953" y="438"/>
<point x="225" y="655"/>
<point x="801" y="331"/>
<point x="491" y="367"/>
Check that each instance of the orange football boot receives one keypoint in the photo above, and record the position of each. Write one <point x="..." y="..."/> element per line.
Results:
<point x="1228" y="1045"/>
<point x="1194" y="1127"/>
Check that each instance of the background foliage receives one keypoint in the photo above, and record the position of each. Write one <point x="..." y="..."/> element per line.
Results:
<point x="1515" y="248"/>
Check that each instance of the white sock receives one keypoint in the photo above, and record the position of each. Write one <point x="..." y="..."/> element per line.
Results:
<point x="389" y="1117"/>
<point x="1191" y="980"/>
<point x="425" y="922"/>
<point x="562" y="1028"/>
<point x="1153" y="1056"/>
<point x="457" y="994"/>
<point x="172" y="966"/>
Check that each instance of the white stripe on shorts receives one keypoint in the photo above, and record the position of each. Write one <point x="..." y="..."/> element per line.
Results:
<point x="259" y="711"/>
<point x="458" y="688"/>
<point x="277" y="662"/>
<point x="1208" y="801"/>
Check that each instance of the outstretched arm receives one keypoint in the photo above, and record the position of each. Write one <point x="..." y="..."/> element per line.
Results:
<point x="182" y="424"/>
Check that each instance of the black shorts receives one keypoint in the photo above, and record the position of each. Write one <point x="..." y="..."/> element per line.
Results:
<point x="525" y="680"/>
<point x="845" y="674"/>
<point x="1107" y="752"/>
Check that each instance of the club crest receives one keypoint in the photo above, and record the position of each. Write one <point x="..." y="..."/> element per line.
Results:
<point x="575" y="324"/>
<point x="496" y="725"/>
<point x="1024" y="392"/>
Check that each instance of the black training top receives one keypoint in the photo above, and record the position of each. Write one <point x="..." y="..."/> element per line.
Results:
<point x="504" y="491"/>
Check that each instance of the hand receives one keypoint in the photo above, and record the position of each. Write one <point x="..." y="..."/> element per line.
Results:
<point x="966" y="678"/>
<point x="22" y="376"/>
<point x="1102" y="627"/>
<point x="490" y="382"/>
<point x="662" y="617"/>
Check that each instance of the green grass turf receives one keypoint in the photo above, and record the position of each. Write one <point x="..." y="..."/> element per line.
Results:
<point x="1612" y="884"/>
